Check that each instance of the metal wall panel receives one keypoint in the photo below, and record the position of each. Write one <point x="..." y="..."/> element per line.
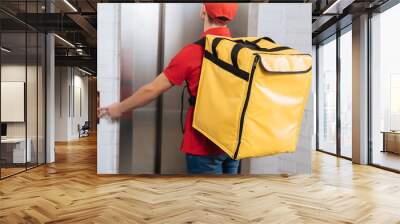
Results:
<point x="141" y="51"/>
<point x="182" y="26"/>
<point x="139" y="58"/>
<point x="239" y="25"/>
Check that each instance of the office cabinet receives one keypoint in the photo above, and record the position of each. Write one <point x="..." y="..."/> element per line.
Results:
<point x="391" y="142"/>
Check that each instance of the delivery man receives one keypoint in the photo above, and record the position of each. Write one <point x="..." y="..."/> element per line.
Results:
<point x="202" y="156"/>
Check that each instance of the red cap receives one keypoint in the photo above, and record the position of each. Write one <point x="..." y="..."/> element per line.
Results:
<point x="221" y="12"/>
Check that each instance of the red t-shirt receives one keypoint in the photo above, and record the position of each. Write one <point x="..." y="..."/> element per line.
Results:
<point x="186" y="66"/>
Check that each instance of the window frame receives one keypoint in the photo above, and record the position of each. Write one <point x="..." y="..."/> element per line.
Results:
<point x="334" y="37"/>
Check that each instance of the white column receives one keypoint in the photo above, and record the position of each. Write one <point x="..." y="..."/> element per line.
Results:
<point x="50" y="94"/>
<point x="108" y="84"/>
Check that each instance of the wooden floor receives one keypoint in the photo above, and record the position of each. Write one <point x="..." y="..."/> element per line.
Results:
<point x="69" y="191"/>
<point x="5" y="172"/>
<point x="387" y="159"/>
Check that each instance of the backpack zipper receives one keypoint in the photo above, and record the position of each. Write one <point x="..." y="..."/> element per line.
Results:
<point x="246" y="102"/>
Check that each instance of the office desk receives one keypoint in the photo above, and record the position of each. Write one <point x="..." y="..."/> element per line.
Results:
<point x="391" y="141"/>
<point x="13" y="150"/>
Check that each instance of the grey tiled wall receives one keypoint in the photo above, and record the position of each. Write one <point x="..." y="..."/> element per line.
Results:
<point x="289" y="25"/>
<point x="108" y="83"/>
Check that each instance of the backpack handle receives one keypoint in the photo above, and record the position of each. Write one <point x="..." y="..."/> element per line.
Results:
<point x="263" y="38"/>
<point x="240" y="44"/>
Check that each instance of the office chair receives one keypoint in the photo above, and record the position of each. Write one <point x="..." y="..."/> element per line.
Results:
<point x="84" y="130"/>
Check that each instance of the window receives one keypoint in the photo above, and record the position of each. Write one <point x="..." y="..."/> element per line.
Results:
<point x="346" y="93"/>
<point x="335" y="74"/>
<point x="385" y="89"/>
<point x="327" y="96"/>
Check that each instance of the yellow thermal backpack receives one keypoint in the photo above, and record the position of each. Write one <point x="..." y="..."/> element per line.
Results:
<point x="251" y="95"/>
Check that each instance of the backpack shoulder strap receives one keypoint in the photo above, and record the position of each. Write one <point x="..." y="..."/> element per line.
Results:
<point x="201" y="42"/>
<point x="192" y="99"/>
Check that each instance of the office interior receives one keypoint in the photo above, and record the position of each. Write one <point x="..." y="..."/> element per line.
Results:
<point x="49" y="91"/>
<point x="23" y="59"/>
<point x="29" y="56"/>
<point x="335" y="74"/>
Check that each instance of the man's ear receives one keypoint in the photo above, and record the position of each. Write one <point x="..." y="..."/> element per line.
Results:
<point x="203" y="12"/>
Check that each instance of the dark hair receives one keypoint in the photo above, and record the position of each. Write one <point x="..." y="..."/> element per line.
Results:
<point x="221" y="20"/>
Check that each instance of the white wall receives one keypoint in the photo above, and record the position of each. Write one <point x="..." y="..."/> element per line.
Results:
<point x="108" y="84"/>
<point x="33" y="126"/>
<point x="67" y="81"/>
<point x="12" y="73"/>
<point x="79" y="117"/>
<point x="15" y="72"/>
<point x="61" y="103"/>
<point x="289" y="25"/>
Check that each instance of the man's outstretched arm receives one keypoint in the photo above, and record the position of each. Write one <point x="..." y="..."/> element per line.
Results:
<point x="141" y="97"/>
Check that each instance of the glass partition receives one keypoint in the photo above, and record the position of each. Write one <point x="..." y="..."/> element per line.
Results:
<point x="32" y="98"/>
<point x="13" y="94"/>
<point x="385" y="89"/>
<point x="41" y="111"/>
<point x="22" y="88"/>
<point x="327" y="96"/>
<point x="346" y="93"/>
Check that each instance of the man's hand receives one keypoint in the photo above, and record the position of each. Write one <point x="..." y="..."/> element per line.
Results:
<point x="143" y="96"/>
<point x="113" y="111"/>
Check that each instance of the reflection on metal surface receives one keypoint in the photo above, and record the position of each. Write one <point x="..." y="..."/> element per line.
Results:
<point x="182" y="26"/>
<point x="159" y="102"/>
<point x="126" y="126"/>
<point x="139" y="49"/>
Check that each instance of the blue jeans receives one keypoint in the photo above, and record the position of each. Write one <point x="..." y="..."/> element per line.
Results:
<point x="214" y="164"/>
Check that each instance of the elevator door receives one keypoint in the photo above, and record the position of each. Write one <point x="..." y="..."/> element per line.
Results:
<point x="182" y="26"/>
<point x="139" y="58"/>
